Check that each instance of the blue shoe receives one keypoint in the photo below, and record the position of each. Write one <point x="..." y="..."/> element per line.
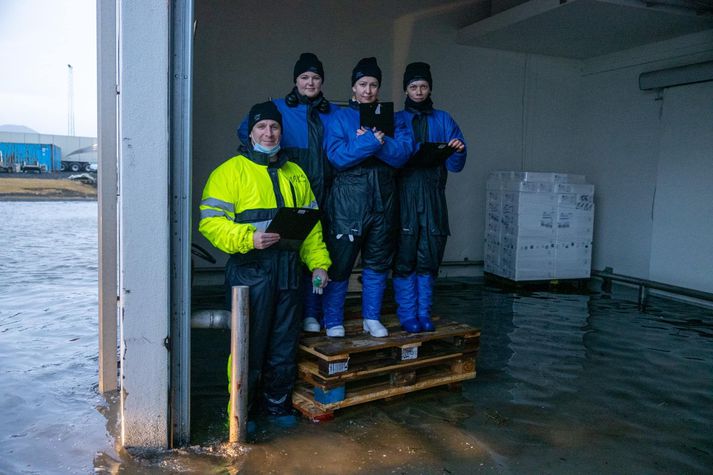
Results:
<point x="251" y="428"/>
<point x="373" y="284"/>
<point x="425" y="284"/>
<point x="333" y="302"/>
<point x="286" y="421"/>
<point x="406" y="298"/>
<point x="412" y="326"/>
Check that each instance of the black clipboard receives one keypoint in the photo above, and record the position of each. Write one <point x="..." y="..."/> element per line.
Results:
<point x="379" y="115"/>
<point x="294" y="224"/>
<point x="430" y="154"/>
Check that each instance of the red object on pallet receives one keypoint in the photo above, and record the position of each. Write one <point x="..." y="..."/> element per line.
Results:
<point x="326" y="417"/>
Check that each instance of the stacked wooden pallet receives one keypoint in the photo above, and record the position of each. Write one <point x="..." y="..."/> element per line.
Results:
<point x="551" y="284"/>
<point x="336" y="373"/>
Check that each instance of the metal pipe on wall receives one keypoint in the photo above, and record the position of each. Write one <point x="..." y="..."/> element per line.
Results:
<point x="644" y="285"/>
<point x="239" y="333"/>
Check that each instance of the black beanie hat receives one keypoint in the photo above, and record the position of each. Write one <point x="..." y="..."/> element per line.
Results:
<point x="263" y="111"/>
<point x="308" y="62"/>
<point x="418" y="71"/>
<point x="366" y="67"/>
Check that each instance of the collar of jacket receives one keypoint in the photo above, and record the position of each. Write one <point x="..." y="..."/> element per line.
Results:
<point x="423" y="107"/>
<point x="263" y="158"/>
<point x="320" y="103"/>
<point x="306" y="100"/>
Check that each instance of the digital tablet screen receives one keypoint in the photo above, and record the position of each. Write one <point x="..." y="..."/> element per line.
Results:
<point x="294" y="223"/>
<point x="430" y="154"/>
<point x="379" y="115"/>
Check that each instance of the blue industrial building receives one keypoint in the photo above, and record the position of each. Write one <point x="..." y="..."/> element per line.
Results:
<point x="30" y="157"/>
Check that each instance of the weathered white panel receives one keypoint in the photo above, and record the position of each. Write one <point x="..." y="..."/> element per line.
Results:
<point x="682" y="240"/>
<point x="619" y="138"/>
<point x="144" y="222"/>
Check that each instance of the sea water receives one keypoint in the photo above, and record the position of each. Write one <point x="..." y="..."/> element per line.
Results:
<point x="50" y="412"/>
<point x="567" y="382"/>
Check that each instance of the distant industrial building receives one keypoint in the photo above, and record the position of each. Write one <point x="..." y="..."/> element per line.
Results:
<point x="77" y="153"/>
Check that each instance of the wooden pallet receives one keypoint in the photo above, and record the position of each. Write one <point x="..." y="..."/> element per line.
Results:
<point x="337" y="355"/>
<point x="551" y="284"/>
<point x="360" y="368"/>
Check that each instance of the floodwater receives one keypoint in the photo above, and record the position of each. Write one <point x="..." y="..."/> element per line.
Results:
<point x="567" y="382"/>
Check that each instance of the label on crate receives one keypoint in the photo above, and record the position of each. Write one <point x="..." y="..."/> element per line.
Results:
<point x="338" y="367"/>
<point x="409" y="353"/>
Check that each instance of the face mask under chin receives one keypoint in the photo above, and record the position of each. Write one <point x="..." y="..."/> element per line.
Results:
<point x="267" y="151"/>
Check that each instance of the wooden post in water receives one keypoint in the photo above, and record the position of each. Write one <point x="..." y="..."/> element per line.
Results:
<point x="239" y="332"/>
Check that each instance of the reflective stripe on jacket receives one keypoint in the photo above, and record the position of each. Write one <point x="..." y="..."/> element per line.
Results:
<point x="242" y="196"/>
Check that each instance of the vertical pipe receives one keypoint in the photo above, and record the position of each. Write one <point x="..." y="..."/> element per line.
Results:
<point x="643" y="293"/>
<point x="181" y="31"/>
<point x="239" y="331"/>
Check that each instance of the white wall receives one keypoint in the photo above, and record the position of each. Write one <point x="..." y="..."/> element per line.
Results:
<point x="682" y="238"/>
<point x="619" y="137"/>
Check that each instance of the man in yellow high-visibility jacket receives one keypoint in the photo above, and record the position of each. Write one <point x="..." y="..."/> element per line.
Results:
<point x="239" y="200"/>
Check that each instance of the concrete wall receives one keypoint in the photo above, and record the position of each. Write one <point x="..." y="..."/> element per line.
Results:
<point x="517" y="111"/>
<point x="144" y="223"/>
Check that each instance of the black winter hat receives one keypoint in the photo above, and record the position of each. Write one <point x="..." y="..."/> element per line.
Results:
<point x="366" y="67"/>
<point x="263" y="111"/>
<point x="308" y="62"/>
<point x="418" y="72"/>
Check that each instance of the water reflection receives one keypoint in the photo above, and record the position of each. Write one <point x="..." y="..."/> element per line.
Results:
<point x="568" y="382"/>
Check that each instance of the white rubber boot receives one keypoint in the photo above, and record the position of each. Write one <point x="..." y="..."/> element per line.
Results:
<point x="375" y="328"/>
<point x="336" y="332"/>
<point x="310" y="324"/>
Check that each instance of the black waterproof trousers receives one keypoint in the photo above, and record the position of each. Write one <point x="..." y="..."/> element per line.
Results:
<point x="275" y="323"/>
<point x="362" y="217"/>
<point x="424" y="229"/>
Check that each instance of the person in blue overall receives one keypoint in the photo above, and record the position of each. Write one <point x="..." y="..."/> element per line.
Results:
<point x="361" y="207"/>
<point x="423" y="229"/>
<point x="305" y="115"/>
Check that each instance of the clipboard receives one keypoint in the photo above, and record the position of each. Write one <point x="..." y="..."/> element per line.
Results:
<point x="294" y="224"/>
<point x="430" y="154"/>
<point x="379" y="115"/>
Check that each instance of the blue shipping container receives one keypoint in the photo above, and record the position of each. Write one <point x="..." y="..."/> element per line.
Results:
<point x="47" y="156"/>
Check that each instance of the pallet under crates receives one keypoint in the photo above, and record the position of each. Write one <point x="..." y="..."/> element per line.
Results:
<point x="541" y="284"/>
<point x="334" y="373"/>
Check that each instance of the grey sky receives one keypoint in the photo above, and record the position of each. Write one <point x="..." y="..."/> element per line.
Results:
<point x="38" y="38"/>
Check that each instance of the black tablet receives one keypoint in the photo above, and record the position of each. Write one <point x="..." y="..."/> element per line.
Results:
<point x="294" y="224"/>
<point x="430" y="154"/>
<point x="379" y="115"/>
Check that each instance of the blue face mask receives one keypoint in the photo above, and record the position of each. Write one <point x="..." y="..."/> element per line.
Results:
<point x="267" y="151"/>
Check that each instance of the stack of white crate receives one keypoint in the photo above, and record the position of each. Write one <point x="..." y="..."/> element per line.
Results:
<point x="538" y="226"/>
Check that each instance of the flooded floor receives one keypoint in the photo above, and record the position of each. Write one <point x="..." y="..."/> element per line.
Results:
<point x="568" y="382"/>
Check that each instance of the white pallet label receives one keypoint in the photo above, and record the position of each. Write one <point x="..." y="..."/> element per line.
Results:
<point x="409" y="353"/>
<point x="338" y="367"/>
